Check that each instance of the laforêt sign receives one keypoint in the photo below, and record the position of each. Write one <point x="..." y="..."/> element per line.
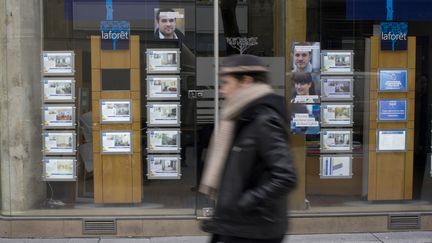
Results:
<point x="394" y="36"/>
<point x="114" y="35"/>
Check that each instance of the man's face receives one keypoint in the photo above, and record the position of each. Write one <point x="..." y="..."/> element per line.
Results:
<point x="167" y="26"/>
<point x="302" y="88"/>
<point x="229" y="85"/>
<point x="301" y="59"/>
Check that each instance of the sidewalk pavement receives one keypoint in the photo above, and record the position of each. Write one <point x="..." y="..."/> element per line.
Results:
<point x="391" y="237"/>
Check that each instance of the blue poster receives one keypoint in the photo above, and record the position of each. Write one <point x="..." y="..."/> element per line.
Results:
<point x="399" y="10"/>
<point x="305" y="118"/>
<point x="393" y="80"/>
<point x="392" y="110"/>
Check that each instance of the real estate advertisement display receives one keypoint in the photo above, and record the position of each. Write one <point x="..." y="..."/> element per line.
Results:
<point x="164" y="167"/>
<point x="336" y="114"/>
<point x="60" y="63"/>
<point x="336" y="166"/>
<point x="163" y="60"/>
<point x="59" y="169"/>
<point x="116" y="142"/>
<point x="336" y="62"/>
<point x="336" y="88"/>
<point x="163" y="87"/>
<point x="336" y="140"/>
<point x="58" y="90"/>
<point x="163" y="140"/>
<point x="58" y="116"/>
<point x="59" y="142"/>
<point x="163" y="114"/>
<point x="116" y="111"/>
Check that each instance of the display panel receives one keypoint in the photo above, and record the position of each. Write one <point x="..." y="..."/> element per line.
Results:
<point x="163" y="87"/>
<point x="163" y="114"/>
<point x="163" y="167"/>
<point x="163" y="60"/>
<point x="59" y="142"/>
<point x="58" y="116"/>
<point x="116" y="142"/>
<point x="305" y="119"/>
<point x="336" y="140"/>
<point x="393" y="80"/>
<point x="118" y="79"/>
<point x="116" y="111"/>
<point x="336" y="114"/>
<point x="59" y="169"/>
<point x="391" y="140"/>
<point x="58" y="63"/>
<point x="163" y="140"/>
<point x="337" y="88"/>
<point x="58" y="90"/>
<point x="337" y="62"/>
<point x="335" y="167"/>
<point x="169" y="23"/>
<point x="306" y="57"/>
<point x="394" y="110"/>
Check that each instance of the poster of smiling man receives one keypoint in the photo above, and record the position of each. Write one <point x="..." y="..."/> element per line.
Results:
<point x="306" y="57"/>
<point x="169" y="23"/>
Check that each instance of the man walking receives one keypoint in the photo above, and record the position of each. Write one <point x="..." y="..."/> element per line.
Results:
<point x="249" y="169"/>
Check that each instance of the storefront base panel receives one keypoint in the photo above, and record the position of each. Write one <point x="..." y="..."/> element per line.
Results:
<point x="320" y="225"/>
<point x="426" y="222"/>
<point x="157" y="227"/>
<point x="70" y="228"/>
<point x="5" y="228"/>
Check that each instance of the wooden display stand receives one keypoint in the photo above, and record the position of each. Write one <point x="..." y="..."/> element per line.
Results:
<point x="117" y="178"/>
<point x="295" y="31"/>
<point x="390" y="175"/>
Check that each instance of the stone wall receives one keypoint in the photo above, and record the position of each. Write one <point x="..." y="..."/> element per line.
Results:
<point x="20" y="104"/>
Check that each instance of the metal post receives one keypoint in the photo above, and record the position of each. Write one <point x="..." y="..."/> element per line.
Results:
<point x="216" y="59"/>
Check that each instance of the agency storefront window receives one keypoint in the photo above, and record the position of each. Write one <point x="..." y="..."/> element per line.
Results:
<point x="127" y="98"/>
<point x="362" y="106"/>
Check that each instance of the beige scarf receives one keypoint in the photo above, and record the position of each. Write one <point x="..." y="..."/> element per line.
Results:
<point x="221" y="140"/>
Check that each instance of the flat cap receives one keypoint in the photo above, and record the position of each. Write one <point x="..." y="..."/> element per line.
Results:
<point x="242" y="64"/>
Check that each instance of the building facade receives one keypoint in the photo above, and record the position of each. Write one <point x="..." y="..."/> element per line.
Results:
<point x="107" y="108"/>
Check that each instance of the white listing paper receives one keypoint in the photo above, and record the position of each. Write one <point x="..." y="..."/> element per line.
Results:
<point x="163" y="114"/>
<point x="58" y="63"/>
<point x="116" y="111"/>
<point x="59" y="168"/>
<point x="392" y="140"/>
<point x="116" y="142"/>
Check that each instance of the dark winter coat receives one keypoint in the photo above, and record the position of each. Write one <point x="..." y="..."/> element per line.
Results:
<point x="258" y="174"/>
<point x="180" y="35"/>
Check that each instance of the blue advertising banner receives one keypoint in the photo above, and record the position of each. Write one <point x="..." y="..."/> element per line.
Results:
<point x="379" y="10"/>
<point x="394" y="36"/>
<point x="305" y="118"/>
<point x="392" y="110"/>
<point x="393" y="80"/>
